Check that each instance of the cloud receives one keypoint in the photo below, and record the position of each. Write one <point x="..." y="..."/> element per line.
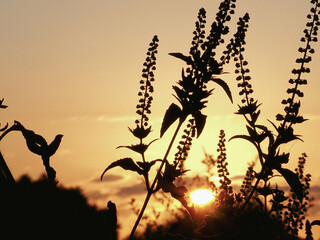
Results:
<point x="137" y="189"/>
<point x="101" y="118"/>
<point x="97" y="195"/>
<point x="312" y="117"/>
<point x="63" y="152"/>
<point x="115" y="119"/>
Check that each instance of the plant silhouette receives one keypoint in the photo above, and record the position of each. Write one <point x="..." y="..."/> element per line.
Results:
<point x="192" y="93"/>
<point x="258" y="203"/>
<point x="42" y="210"/>
<point x="38" y="145"/>
<point x="259" y="210"/>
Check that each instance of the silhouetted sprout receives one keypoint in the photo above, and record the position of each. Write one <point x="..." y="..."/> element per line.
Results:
<point x="292" y="106"/>
<point x="38" y="145"/>
<point x="192" y="92"/>
<point x="146" y="89"/>
<point x="202" y="67"/>
<point x="142" y="128"/>
<point x="273" y="158"/>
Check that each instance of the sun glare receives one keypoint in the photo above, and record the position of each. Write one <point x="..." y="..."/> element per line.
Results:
<point x="201" y="196"/>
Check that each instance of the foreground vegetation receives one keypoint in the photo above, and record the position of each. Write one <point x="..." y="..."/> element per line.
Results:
<point x="260" y="205"/>
<point x="259" y="210"/>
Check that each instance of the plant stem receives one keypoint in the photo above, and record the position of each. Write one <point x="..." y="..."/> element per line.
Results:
<point x="166" y="154"/>
<point x="151" y="190"/>
<point x="5" y="171"/>
<point x="254" y="188"/>
<point x="140" y="214"/>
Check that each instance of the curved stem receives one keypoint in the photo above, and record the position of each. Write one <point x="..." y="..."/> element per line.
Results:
<point x="140" y="215"/>
<point x="166" y="154"/>
<point x="12" y="128"/>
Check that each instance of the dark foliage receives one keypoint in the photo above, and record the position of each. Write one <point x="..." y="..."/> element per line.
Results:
<point x="41" y="210"/>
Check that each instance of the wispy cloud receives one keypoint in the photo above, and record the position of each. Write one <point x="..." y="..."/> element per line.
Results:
<point x="132" y="190"/>
<point x="312" y="117"/>
<point x="101" y="118"/>
<point x="115" y="119"/>
<point x="63" y="152"/>
<point x="98" y="195"/>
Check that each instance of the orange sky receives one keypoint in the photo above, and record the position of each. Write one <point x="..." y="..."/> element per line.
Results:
<point x="72" y="67"/>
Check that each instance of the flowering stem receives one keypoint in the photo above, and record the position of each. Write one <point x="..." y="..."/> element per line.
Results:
<point x="152" y="188"/>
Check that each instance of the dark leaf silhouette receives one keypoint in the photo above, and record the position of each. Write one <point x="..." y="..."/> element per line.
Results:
<point x="4" y="128"/>
<point x="34" y="141"/>
<point x="248" y="109"/>
<point x="139" y="148"/>
<point x="293" y="181"/>
<point x="188" y="59"/>
<point x="1" y="105"/>
<point x="248" y="138"/>
<point x="54" y="145"/>
<point x="140" y="132"/>
<point x="125" y="163"/>
<point x="224" y="85"/>
<point x="171" y="173"/>
<point x="172" y="114"/>
<point x="283" y="158"/>
<point x="147" y="165"/>
<point x="200" y="122"/>
<point x="315" y="222"/>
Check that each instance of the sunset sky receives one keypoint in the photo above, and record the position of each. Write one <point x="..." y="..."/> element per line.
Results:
<point x="73" y="67"/>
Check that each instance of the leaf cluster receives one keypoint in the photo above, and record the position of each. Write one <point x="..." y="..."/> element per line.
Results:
<point x="36" y="144"/>
<point x="273" y="158"/>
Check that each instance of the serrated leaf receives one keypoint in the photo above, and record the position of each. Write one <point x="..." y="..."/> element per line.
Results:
<point x="293" y="181"/>
<point x="125" y="163"/>
<point x="140" y="132"/>
<point x="172" y="114"/>
<point x="224" y="85"/>
<point x="187" y="59"/>
<point x="139" y="148"/>
<point x="200" y="120"/>
<point x="245" y="137"/>
<point x="147" y="165"/>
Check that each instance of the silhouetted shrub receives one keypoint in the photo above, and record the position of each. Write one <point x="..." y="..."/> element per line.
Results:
<point x="41" y="210"/>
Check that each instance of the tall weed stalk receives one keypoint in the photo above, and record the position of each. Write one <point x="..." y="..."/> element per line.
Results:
<point x="192" y="92"/>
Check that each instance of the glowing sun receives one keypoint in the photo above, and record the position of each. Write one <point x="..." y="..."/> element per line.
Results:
<point x="201" y="196"/>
